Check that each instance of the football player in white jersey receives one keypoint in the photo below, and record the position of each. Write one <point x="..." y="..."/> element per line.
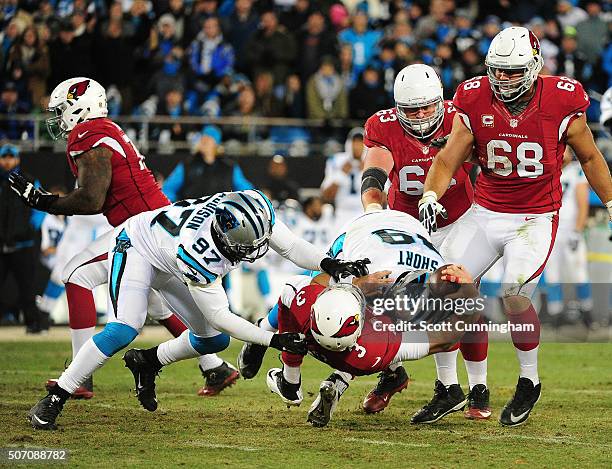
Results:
<point x="394" y="242"/>
<point x="183" y="251"/>
<point x="568" y="258"/>
<point x="342" y="181"/>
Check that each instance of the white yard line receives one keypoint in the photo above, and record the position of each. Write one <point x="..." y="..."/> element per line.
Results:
<point x="387" y="443"/>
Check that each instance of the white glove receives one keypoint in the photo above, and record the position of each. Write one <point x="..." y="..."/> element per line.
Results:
<point x="429" y="209"/>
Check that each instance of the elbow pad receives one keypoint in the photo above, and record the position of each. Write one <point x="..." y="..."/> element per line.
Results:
<point x="373" y="178"/>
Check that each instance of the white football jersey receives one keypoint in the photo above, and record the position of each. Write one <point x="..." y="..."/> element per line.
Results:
<point x="571" y="176"/>
<point x="51" y="232"/>
<point x="392" y="240"/>
<point x="348" y="198"/>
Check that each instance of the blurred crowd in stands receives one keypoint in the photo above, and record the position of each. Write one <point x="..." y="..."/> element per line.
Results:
<point x="273" y="58"/>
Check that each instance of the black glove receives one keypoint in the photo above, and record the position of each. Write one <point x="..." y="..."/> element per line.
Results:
<point x="291" y="342"/>
<point x="339" y="269"/>
<point x="36" y="198"/>
<point x="440" y="141"/>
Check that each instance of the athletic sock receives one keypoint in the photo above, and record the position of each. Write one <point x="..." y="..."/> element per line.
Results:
<point x="446" y="367"/>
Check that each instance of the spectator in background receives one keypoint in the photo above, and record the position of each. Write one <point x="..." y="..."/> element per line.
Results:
<point x="18" y="226"/>
<point x="490" y="28"/>
<point x="205" y="172"/>
<point x="548" y="48"/>
<point x="228" y="90"/>
<point x="363" y="40"/>
<point x="266" y="103"/>
<point x="272" y="48"/>
<point x="202" y="9"/>
<point x="176" y="9"/>
<point x="140" y="18"/>
<point x="368" y="96"/>
<point x="172" y="106"/>
<point x="10" y="104"/>
<point x="115" y="61"/>
<point x="472" y="63"/>
<point x="568" y="14"/>
<point x="278" y="184"/>
<point x="463" y="33"/>
<point x="69" y="58"/>
<point x="592" y="33"/>
<point x="8" y="37"/>
<point x="32" y="55"/>
<point x="389" y="65"/>
<point x="166" y="56"/>
<point x="449" y="70"/>
<point x="298" y="14"/>
<point x="314" y="42"/>
<point x="347" y="71"/>
<point x="436" y="24"/>
<point x="571" y="62"/>
<point x="294" y="98"/>
<point x="238" y="29"/>
<point x="210" y="59"/>
<point x="326" y="95"/>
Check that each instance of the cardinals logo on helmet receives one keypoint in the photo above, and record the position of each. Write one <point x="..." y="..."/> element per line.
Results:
<point x="535" y="43"/>
<point x="349" y="327"/>
<point x="77" y="89"/>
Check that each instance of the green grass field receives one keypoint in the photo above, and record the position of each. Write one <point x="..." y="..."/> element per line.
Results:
<point x="248" y="427"/>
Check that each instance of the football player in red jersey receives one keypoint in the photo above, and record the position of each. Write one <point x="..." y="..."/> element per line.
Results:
<point x="518" y="124"/>
<point x="343" y="333"/>
<point x="114" y="180"/>
<point x="402" y="143"/>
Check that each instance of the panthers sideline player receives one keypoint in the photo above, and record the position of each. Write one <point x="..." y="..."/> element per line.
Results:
<point x="402" y="143"/>
<point x="112" y="179"/>
<point x="400" y="251"/>
<point x="183" y="251"/>
<point x="517" y="124"/>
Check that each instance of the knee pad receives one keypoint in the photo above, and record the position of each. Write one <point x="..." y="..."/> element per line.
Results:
<point x="114" y="337"/>
<point x="206" y="345"/>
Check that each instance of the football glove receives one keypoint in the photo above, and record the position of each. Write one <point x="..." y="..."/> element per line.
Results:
<point x="340" y="269"/>
<point x="573" y="240"/>
<point x="429" y="209"/>
<point x="440" y="141"/>
<point x="291" y="342"/>
<point x="39" y="198"/>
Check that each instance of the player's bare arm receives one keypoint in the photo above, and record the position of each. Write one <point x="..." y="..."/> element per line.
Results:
<point x="457" y="150"/>
<point x="377" y="166"/>
<point x="95" y="173"/>
<point x="595" y="168"/>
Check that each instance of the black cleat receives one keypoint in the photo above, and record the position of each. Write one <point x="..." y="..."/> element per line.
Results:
<point x="517" y="410"/>
<point x="290" y="393"/>
<point x="217" y="379"/>
<point x="389" y="383"/>
<point x="43" y="415"/>
<point x="250" y="359"/>
<point x="144" y="377"/>
<point x="445" y="401"/>
<point x="478" y="403"/>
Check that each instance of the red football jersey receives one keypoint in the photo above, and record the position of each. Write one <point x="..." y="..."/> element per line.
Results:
<point x="133" y="188"/>
<point x="412" y="159"/>
<point x="520" y="156"/>
<point x="374" y="350"/>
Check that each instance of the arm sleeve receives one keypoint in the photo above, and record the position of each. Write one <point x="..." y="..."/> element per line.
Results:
<point x="213" y="303"/>
<point x="291" y="247"/>
<point x="239" y="182"/>
<point x="36" y="216"/>
<point x="174" y="182"/>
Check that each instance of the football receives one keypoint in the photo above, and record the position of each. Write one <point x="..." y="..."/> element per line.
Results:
<point x="441" y="288"/>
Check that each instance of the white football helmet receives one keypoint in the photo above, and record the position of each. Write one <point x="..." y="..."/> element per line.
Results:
<point x="337" y="317"/>
<point x="418" y="85"/>
<point x="514" y="48"/>
<point x="73" y="101"/>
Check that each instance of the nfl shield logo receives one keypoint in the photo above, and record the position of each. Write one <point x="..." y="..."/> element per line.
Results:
<point x="513" y="123"/>
<point x="425" y="150"/>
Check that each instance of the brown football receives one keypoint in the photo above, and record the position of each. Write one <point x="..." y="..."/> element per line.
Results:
<point x="440" y="288"/>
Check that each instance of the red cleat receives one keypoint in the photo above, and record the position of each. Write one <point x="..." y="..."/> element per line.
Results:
<point x="390" y="382"/>
<point x="478" y="403"/>
<point x="218" y="379"/>
<point x="83" y="392"/>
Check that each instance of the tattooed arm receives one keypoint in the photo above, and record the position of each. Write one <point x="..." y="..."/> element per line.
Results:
<point x="95" y="172"/>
